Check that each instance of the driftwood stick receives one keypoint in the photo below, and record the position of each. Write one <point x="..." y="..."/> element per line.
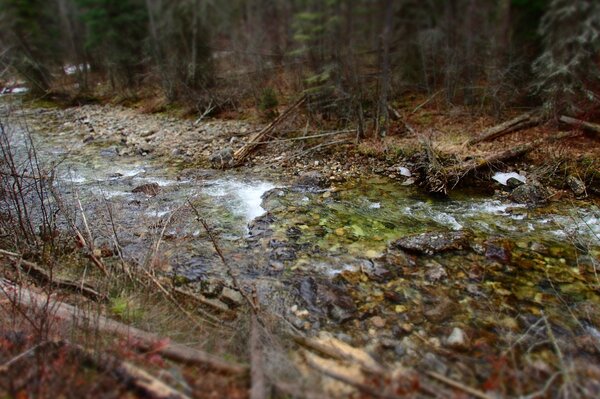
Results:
<point x="521" y="122"/>
<point x="242" y="153"/>
<point x="258" y="389"/>
<point x="580" y="124"/>
<point x="95" y="322"/>
<point x="457" y="385"/>
<point x="373" y="391"/>
<point x="39" y="273"/>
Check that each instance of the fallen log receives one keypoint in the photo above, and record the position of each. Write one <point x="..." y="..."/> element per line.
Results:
<point x="94" y="322"/>
<point x="580" y="124"/>
<point x="451" y="175"/>
<point x="39" y="273"/>
<point x="521" y="122"/>
<point x="242" y="153"/>
<point x="127" y="373"/>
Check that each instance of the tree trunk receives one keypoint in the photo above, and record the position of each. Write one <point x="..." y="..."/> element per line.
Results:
<point x="384" y="85"/>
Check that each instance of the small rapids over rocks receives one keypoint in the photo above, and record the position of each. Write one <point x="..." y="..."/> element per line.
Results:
<point x="377" y="265"/>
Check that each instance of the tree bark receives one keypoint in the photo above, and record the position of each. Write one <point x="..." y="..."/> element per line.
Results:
<point x="384" y="85"/>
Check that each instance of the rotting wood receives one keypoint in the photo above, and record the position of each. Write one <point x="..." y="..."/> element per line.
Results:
<point x="39" y="273"/>
<point x="95" y="322"/>
<point x="242" y="153"/>
<point x="580" y="124"/>
<point x="521" y="122"/>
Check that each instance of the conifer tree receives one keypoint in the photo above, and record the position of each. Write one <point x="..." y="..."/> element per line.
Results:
<point x="567" y="67"/>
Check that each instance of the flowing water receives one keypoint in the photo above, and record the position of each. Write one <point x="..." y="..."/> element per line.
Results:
<point x="329" y="250"/>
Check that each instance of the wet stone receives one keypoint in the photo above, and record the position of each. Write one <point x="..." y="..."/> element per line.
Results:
<point x="443" y="311"/>
<point x="499" y="250"/>
<point x="311" y="180"/>
<point x="231" y="297"/>
<point x="283" y="253"/>
<point x="532" y="193"/>
<point x="222" y="158"/>
<point x="148" y="189"/>
<point x="433" y="242"/>
<point x="435" y="271"/>
<point x="514" y="183"/>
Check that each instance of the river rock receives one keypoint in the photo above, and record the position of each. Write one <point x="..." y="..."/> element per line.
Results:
<point x="311" y="180"/>
<point x="513" y="183"/>
<point x="148" y="189"/>
<point x="532" y="193"/>
<point x="327" y="299"/>
<point x="435" y="271"/>
<point x="498" y="249"/>
<point x="261" y="226"/>
<point x="433" y="242"/>
<point x="457" y="338"/>
<point x="231" y="297"/>
<point x="576" y="185"/>
<point x="222" y="158"/>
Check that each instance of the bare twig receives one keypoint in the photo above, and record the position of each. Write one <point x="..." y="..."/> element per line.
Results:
<point x="455" y="384"/>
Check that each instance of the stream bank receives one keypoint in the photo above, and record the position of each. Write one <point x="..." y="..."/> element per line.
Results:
<point x="464" y="286"/>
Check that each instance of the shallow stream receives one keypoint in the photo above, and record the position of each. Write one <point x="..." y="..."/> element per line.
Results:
<point x="324" y="258"/>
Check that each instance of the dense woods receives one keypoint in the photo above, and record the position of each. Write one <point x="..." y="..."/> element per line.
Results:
<point x="300" y="199"/>
<point x="354" y="58"/>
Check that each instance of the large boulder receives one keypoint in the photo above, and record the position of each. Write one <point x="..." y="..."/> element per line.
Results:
<point x="433" y="242"/>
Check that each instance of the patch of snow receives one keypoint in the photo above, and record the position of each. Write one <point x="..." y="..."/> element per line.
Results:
<point x="502" y="177"/>
<point x="72" y="69"/>
<point x="404" y="171"/>
<point x="375" y="205"/>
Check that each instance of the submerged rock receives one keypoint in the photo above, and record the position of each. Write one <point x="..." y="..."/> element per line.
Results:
<point x="148" y="189"/>
<point x="435" y="271"/>
<point x="532" y="193"/>
<point x="576" y="185"/>
<point x="433" y="242"/>
<point x="498" y="249"/>
<point x="327" y="300"/>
